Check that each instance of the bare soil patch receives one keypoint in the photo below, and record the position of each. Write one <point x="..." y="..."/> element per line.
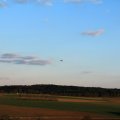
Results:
<point x="115" y="100"/>
<point x="49" y="114"/>
<point x="77" y="100"/>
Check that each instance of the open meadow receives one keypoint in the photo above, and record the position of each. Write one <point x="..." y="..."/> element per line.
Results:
<point x="33" y="106"/>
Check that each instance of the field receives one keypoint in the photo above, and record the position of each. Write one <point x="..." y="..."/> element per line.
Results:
<point x="29" y="106"/>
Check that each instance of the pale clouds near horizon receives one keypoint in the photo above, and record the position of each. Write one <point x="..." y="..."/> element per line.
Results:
<point x="105" y="81"/>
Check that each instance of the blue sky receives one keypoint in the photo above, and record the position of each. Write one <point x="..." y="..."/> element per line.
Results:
<point x="36" y="34"/>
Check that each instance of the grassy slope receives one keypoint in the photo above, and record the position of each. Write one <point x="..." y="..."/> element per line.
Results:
<point x="100" y="108"/>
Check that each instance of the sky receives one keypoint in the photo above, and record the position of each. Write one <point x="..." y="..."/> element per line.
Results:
<point x="63" y="42"/>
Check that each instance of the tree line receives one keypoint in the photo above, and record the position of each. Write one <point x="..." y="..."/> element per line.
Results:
<point x="61" y="90"/>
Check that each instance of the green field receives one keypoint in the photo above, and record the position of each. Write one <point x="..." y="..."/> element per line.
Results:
<point x="103" y="108"/>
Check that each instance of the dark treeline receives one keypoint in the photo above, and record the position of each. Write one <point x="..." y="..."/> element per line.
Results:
<point x="62" y="90"/>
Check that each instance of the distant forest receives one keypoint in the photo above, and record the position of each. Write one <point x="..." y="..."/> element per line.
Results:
<point x="61" y="90"/>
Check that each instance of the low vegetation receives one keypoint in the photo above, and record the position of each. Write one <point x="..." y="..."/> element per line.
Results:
<point x="101" y="101"/>
<point x="109" y="107"/>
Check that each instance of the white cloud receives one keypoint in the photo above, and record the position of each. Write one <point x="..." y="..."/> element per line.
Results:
<point x="29" y="57"/>
<point x="96" y="1"/>
<point x="3" y="3"/>
<point x="18" y="59"/>
<point x="21" y="1"/>
<point x="45" y="2"/>
<point x="93" y="33"/>
<point x="73" y="1"/>
<point x="83" y="1"/>
<point x="9" y="56"/>
<point x="39" y="62"/>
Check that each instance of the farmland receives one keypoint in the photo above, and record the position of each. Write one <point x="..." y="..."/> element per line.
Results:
<point x="34" y="105"/>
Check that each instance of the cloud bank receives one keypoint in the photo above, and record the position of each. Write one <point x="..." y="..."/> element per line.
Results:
<point x="25" y="60"/>
<point x="41" y="2"/>
<point x="73" y="1"/>
<point x="96" y="1"/>
<point x="45" y="2"/>
<point x="83" y="1"/>
<point x="3" y="4"/>
<point x="93" y="33"/>
<point x="21" y="1"/>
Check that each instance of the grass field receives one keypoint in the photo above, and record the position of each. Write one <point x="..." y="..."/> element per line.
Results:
<point x="103" y="106"/>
